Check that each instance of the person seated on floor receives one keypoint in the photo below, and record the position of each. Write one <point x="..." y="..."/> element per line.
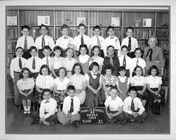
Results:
<point x="134" y="110"/>
<point x="48" y="109"/>
<point x="114" y="106"/>
<point x="71" y="108"/>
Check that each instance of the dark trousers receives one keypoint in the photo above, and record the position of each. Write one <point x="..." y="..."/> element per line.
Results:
<point x="139" y="118"/>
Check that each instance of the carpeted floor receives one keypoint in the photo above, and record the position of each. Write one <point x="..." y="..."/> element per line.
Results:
<point x="17" y="123"/>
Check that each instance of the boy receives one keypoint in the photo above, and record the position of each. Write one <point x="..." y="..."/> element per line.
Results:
<point x="48" y="108"/>
<point x="130" y="42"/>
<point x="71" y="108"/>
<point x="34" y="62"/>
<point x="44" y="39"/>
<point x="114" y="106"/>
<point x="16" y="66"/>
<point x="47" y="60"/>
<point x="125" y="60"/>
<point x="133" y="108"/>
<point x="81" y="39"/>
<point x="97" y="40"/>
<point x="64" y="40"/>
<point x="25" y="41"/>
<point x="112" y="40"/>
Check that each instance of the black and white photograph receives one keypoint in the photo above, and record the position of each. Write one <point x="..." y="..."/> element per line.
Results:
<point x="78" y="69"/>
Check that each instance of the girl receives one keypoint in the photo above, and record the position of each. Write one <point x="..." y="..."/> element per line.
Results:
<point x="123" y="83"/>
<point x="60" y="85"/>
<point x="108" y="80"/>
<point x="57" y="60"/>
<point x="69" y="61"/>
<point x="78" y="80"/>
<point x="25" y="87"/>
<point x="83" y="58"/>
<point x="43" y="81"/>
<point x="94" y="85"/>
<point x="139" y="82"/>
<point x="95" y="56"/>
<point x="154" y="86"/>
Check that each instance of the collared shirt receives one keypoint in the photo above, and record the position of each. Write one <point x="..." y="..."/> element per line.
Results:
<point x="25" y="84"/>
<point x="37" y="64"/>
<point x="69" y="63"/>
<point x="44" y="61"/>
<point x="14" y="65"/>
<point x="78" y="81"/>
<point x="63" y="41"/>
<point x="48" y="109"/>
<point x="98" y="59"/>
<point x="128" y="61"/>
<point x="123" y="79"/>
<point x="21" y="40"/>
<point x="114" y="104"/>
<point x="138" y="80"/>
<point x="114" y="41"/>
<point x="134" y="43"/>
<point x="93" y="41"/>
<point x="138" y="61"/>
<point x="61" y="84"/>
<point x="137" y="105"/>
<point x="154" y="81"/>
<point x="58" y="62"/>
<point x="77" y="41"/>
<point x="67" y="105"/>
<point x="83" y="58"/>
<point x="48" y="41"/>
<point x="93" y="76"/>
<point x="44" y="82"/>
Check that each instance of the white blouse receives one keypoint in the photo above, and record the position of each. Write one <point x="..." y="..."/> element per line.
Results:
<point x="69" y="63"/>
<point x="154" y="81"/>
<point x="25" y="84"/>
<point x="61" y="84"/>
<point x="98" y="59"/>
<point x="83" y="58"/>
<point x="138" y="80"/>
<point x="78" y="81"/>
<point x="58" y="62"/>
<point x="44" y="82"/>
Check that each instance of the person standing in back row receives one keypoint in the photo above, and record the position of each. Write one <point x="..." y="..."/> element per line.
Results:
<point x="130" y="42"/>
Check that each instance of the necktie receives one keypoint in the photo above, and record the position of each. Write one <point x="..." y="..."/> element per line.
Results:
<point x="124" y="61"/>
<point x="137" y="62"/>
<point x="71" y="106"/>
<point x="98" y="41"/>
<point x="47" y="61"/>
<point x="149" y="54"/>
<point x="20" y="63"/>
<point x="82" y="40"/>
<point x="33" y="63"/>
<point x="111" y="61"/>
<point x="43" y="41"/>
<point x="25" y="43"/>
<point x="132" y="105"/>
<point x="129" y="44"/>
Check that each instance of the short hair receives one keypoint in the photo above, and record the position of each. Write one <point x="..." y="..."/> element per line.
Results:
<point x="58" y="71"/>
<point x="109" y="27"/>
<point x="94" y="47"/>
<point x="81" y="69"/>
<point x="132" y="89"/>
<point x="153" y="67"/>
<point x="134" y="73"/>
<point x="108" y="67"/>
<point x="92" y="65"/>
<point x="110" y="46"/>
<point x="58" y="48"/>
<point x="71" y="87"/>
<point x="138" y="49"/>
<point x="124" y="46"/>
<point x="64" y="26"/>
<point x="18" y="49"/>
<point x="81" y="25"/>
<point x="33" y="48"/>
<point x="122" y="68"/>
<point x="46" y="90"/>
<point x="83" y="46"/>
<point x="44" y="66"/>
<point x="47" y="47"/>
<point x="96" y="27"/>
<point x="131" y="28"/>
<point x="23" y="69"/>
<point x="43" y="25"/>
<point x="25" y="27"/>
